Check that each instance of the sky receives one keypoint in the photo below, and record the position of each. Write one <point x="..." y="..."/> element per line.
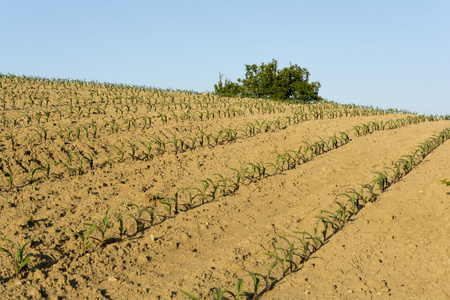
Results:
<point x="382" y="53"/>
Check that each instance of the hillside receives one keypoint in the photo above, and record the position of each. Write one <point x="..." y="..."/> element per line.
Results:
<point x="206" y="186"/>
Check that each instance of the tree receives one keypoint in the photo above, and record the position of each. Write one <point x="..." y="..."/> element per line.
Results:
<point x="266" y="81"/>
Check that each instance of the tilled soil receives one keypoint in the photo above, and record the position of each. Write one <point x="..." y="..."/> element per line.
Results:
<point x="396" y="246"/>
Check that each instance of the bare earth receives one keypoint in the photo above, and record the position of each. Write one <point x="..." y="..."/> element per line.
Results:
<point x="396" y="247"/>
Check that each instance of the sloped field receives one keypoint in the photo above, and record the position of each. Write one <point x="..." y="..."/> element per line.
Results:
<point x="205" y="187"/>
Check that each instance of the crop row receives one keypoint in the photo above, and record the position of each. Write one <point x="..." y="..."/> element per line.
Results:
<point x="299" y="246"/>
<point x="27" y="117"/>
<point x="211" y="189"/>
<point x="80" y="99"/>
<point x="76" y="162"/>
<point x="288" y="258"/>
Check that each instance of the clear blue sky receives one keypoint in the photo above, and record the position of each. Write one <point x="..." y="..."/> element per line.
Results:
<point x="383" y="53"/>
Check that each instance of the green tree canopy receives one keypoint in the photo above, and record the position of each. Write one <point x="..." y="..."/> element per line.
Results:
<point x="267" y="81"/>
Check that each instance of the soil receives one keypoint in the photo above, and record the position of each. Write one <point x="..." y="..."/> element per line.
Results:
<point x="396" y="246"/>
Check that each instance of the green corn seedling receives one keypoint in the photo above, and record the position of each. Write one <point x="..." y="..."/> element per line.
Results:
<point x="381" y="180"/>
<point x="239" y="178"/>
<point x="214" y="186"/>
<point x="46" y="168"/>
<point x="193" y="141"/>
<point x="9" y="175"/>
<point x="191" y="296"/>
<point x="256" y="282"/>
<point x="133" y="151"/>
<point x="354" y="201"/>
<point x="169" y="202"/>
<point x="137" y="218"/>
<point x="445" y="181"/>
<point x="19" y="261"/>
<point x="148" y="148"/>
<point x="202" y="192"/>
<point x="161" y="146"/>
<point x="85" y="237"/>
<point x="222" y="180"/>
<point x="119" y="217"/>
<point x="267" y="278"/>
<point x="286" y="263"/>
<point x="331" y="218"/>
<point x="33" y="172"/>
<point x="325" y="227"/>
<point x="69" y="164"/>
<point x="192" y="197"/>
<point x="12" y="138"/>
<point x="120" y="151"/>
<point x="103" y="228"/>
<point x="370" y="189"/>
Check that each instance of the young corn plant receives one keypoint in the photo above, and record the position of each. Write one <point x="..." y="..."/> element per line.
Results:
<point x="193" y="297"/>
<point x="256" y="282"/>
<point x="291" y="159"/>
<point x="344" y="138"/>
<point x="119" y="217"/>
<point x="9" y="175"/>
<point x="120" y="151"/>
<point x="297" y="155"/>
<point x="259" y="169"/>
<point x="191" y="196"/>
<point x="161" y="146"/>
<point x="275" y="166"/>
<point x="331" y="219"/>
<point x="239" y="178"/>
<point x="69" y="165"/>
<point x="86" y="244"/>
<point x="193" y="141"/>
<point x="381" y="180"/>
<point x="148" y="148"/>
<point x="60" y="133"/>
<point x="202" y="192"/>
<point x="223" y="181"/>
<point x="103" y="228"/>
<point x="170" y="202"/>
<point x="33" y="171"/>
<point x="133" y="151"/>
<point x="316" y="241"/>
<point x="354" y="201"/>
<point x="268" y="280"/>
<point x="218" y="293"/>
<point x="147" y="121"/>
<point x="287" y="260"/>
<point x="370" y="188"/>
<point x="138" y="217"/>
<point x="397" y="172"/>
<point x="325" y="227"/>
<point x="178" y="144"/>
<point x="281" y="161"/>
<point x="19" y="261"/>
<point x="45" y="168"/>
<point x="42" y="133"/>
<point x="79" y="169"/>
<point x="239" y="291"/>
<point x="12" y="138"/>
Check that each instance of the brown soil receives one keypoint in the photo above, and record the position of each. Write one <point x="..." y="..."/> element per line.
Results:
<point x="396" y="246"/>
